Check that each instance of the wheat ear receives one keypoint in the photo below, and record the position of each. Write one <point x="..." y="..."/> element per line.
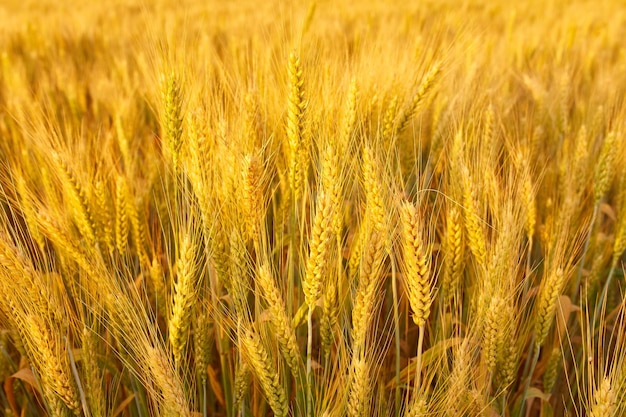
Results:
<point x="282" y="325"/>
<point x="604" y="168"/>
<point x="552" y="370"/>
<point x="473" y="222"/>
<point x="358" y="396"/>
<point x="265" y="372"/>
<point x="53" y="365"/>
<point x="295" y="126"/>
<point x="93" y="374"/>
<point x="78" y="200"/>
<point x="121" y="214"/>
<point x="172" y="121"/>
<point x="252" y="201"/>
<point x="604" y="400"/>
<point x="420" y="97"/>
<point x="184" y="295"/>
<point x="105" y="217"/>
<point x="173" y="400"/>
<point x="416" y="263"/>
<point x="546" y="304"/>
<point x="363" y="308"/>
<point x="202" y="341"/>
<point x="455" y="253"/>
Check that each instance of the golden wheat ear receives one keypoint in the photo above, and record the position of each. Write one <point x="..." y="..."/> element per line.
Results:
<point x="260" y="362"/>
<point x="281" y="323"/>
<point x="184" y="296"/>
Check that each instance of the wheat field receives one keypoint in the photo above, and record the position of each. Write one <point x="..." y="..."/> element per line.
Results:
<point x="330" y="208"/>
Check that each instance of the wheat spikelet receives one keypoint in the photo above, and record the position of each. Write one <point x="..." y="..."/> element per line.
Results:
<point x="55" y="405"/>
<point x="331" y="185"/>
<point x="93" y="374"/>
<point x="562" y="111"/>
<point x="350" y="115"/>
<point x="67" y="245"/>
<point x="296" y="127"/>
<point x="489" y="133"/>
<point x="473" y="225"/>
<point x="252" y="195"/>
<point x="330" y="314"/>
<point x="105" y="217"/>
<point x="326" y="225"/>
<point x="77" y="199"/>
<point x="121" y="214"/>
<point x="418" y="406"/>
<point x="242" y="382"/>
<point x="416" y="263"/>
<point x="300" y="316"/>
<point x="358" y="397"/>
<point x="459" y="378"/>
<point x="546" y="304"/>
<point x="388" y="119"/>
<point x="14" y="317"/>
<point x="203" y="341"/>
<point x="508" y="350"/>
<point x="552" y="370"/>
<point x="185" y="289"/>
<point x="51" y="361"/>
<point x="604" y="400"/>
<point x="320" y="241"/>
<point x="494" y="333"/>
<point x="619" y="244"/>
<point x="196" y="169"/>
<point x="28" y="210"/>
<point x="157" y="278"/>
<point x="137" y="230"/>
<point x="19" y="277"/>
<point x="363" y="308"/>
<point x="220" y="252"/>
<point x="420" y="97"/>
<point x="200" y="176"/>
<point x="375" y="209"/>
<point x="173" y="400"/>
<point x="604" y="169"/>
<point x="238" y="277"/>
<point x="454" y="252"/>
<point x="172" y="122"/>
<point x="265" y="372"/>
<point x="282" y="325"/>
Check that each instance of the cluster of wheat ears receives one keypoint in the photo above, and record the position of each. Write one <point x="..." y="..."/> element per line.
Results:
<point x="363" y="209"/>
